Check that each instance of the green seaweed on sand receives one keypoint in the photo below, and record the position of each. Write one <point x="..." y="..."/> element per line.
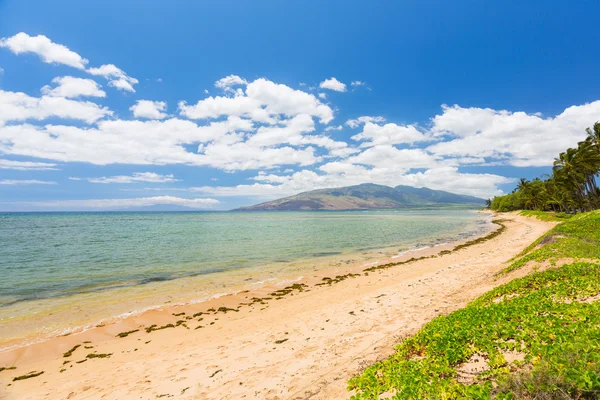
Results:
<point x="81" y="361"/>
<point x="198" y="314"/>
<point x="339" y="278"/>
<point x="125" y="334"/>
<point x="153" y="328"/>
<point x="216" y="372"/>
<point x="288" y="289"/>
<point x="179" y="314"/>
<point x="96" y="355"/>
<point x="70" y="352"/>
<point x="32" y="374"/>
<point x="490" y="236"/>
<point x="281" y="341"/>
<point x="7" y="368"/>
<point x="225" y="310"/>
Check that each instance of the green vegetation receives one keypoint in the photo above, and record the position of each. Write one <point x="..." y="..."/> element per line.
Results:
<point x="70" y="352"/>
<point x="577" y="239"/>
<point x="548" y="216"/>
<point x="571" y="188"/>
<point x="7" y="368"/>
<point x="537" y="337"/>
<point x="32" y="374"/>
<point x="281" y="341"/>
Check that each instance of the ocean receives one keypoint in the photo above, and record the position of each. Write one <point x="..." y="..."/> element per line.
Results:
<point x="67" y="271"/>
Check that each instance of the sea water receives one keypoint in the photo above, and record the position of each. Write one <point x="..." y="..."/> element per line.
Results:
<point x="62" y="271"/>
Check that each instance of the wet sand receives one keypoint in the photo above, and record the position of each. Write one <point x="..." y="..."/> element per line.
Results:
<point x="303" y="340"/>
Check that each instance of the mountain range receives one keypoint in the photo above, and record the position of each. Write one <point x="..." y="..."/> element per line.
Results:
<point x="367" y="196"/>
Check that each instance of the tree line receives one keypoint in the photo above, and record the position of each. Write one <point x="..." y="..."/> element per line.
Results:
<point x="572" y="187"/>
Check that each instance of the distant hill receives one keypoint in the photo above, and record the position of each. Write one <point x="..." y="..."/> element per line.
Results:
<point x="367" y="196"/>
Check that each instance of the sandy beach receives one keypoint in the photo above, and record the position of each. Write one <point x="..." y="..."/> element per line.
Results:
<point x="296" y="342"/>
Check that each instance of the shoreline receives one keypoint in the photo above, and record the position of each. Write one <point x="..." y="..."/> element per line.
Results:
<point x="352" y="262"/>
<point x="274" y="352"/>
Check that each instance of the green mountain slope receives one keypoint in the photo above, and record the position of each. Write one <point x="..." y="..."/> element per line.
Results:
<point x="367" y="196"/>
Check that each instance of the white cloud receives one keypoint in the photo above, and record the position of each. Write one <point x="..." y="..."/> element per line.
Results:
<point x="134" y="178"/>
<point x="20" y="107"/>
<point x="386" y="156"/>
<point x="230" y="81"/>
<point x="338" y="174"/>
<point x="449" y="179"/>
<point x="358" y="83"/>
<point x="1" y="70"/>
<point x="112" y="204"/>
<point x="323" y="96"/>
<point x="221" y="144"/>
<point x="49" y="51"/>
<point x="149" y="109"/>
<point x="355" y="123"/>
<point x="333" y="84"/>
<point x="26" y="165"/>
<point x="117" y="78"/>
<point x="514" y="138"/>
<point x="263" y="101"/>
<point x="25" y="182"/>
<point x="68" y="86"/>
<point x="334" y="128"/>
<point x="389" y="134"/>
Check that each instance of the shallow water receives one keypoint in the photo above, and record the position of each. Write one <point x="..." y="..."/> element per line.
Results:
<point x="72" y="269"/>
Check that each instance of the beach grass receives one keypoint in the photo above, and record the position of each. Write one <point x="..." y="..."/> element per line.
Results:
<point x="536" y="337"/>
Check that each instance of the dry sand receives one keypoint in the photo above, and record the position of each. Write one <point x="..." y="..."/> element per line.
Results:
<point x="307" y="344"/>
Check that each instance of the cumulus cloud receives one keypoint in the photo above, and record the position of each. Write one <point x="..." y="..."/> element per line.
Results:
<point x="51" y="53"/>
<point x="15" y="106"/>
<point x="389" y="134"/>
<point x="337" y="174"/>
<point x="149" y="109"/>
<point x="220" y="144"/>
<point x="514" y="138"/>
<point x="115" y="204"/>
<point x="68" y="86"/>
<point x="134" y="178"/>
<point x="26" y="165"/>
<point x="355" y="123"/>
<point x="117" y="78"/>
<point x="46" y="49"/>
<point x="229" y="82"/>
<point x="391" y="157"/>
<point x="262" y="101"/>
<point x="25" y="182"/>
<point x="333" y="84"/>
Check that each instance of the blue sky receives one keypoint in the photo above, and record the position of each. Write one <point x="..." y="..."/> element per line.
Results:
<point x="213" y="105"/>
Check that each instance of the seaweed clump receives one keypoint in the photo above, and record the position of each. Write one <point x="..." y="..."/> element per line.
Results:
<point x="70" y="352"/>
<point x="32" y="374"/>
<point x="153" y="328"/>
<point x="125" y="334"/>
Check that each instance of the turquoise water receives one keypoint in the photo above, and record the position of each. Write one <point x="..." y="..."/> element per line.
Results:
<point x="59" y="254"/>
<point x="66" y="272"/>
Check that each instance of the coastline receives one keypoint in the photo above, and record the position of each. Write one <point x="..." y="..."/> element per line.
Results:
<point x="365" y="311"/>
<point x="38" y="321"/>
